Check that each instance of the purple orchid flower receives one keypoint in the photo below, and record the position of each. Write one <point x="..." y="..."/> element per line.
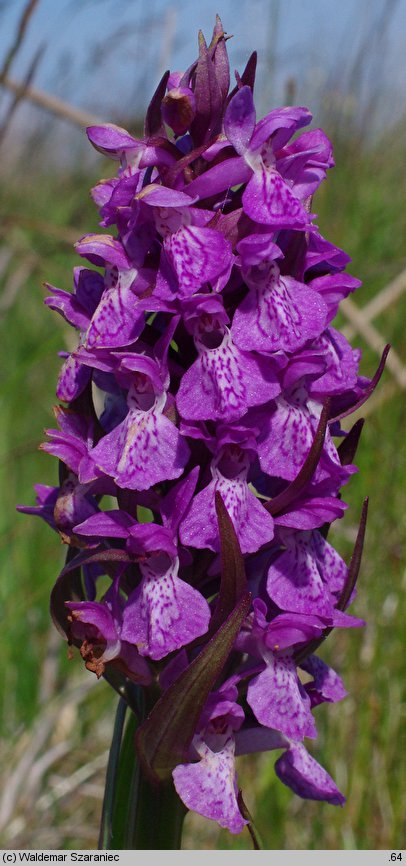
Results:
<point x="234" y="451"/>
<point x="77" y="308"/>
<point x="204" y="399"/>
<point x="209" y="786"/>
<point x="224" y="381"/>
<point x="163" y="613"/>
<point x="99" y="628"/>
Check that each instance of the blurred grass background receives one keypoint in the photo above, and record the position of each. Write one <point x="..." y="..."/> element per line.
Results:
<point x="55" y="719"/>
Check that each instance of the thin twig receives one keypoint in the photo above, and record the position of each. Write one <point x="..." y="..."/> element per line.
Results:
<point x="15" y="282"/>
<point x="387" y="296"/>
<point x="374" y="340"/>
<point x="64" y="234"/>
<point x="16" y="45"/>
<point x="48" y="674"/>
<point x="19" y="97"/>
<point x="52" y="103"/>
<point x="6" y="255"/>
<point x="67" y="786"/>
<point x="37" y="738"/>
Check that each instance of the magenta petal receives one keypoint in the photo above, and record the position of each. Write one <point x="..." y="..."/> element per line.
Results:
<point x="209" y="787"/>
<point x="111" y="139"/>
<point x="106" y="524"/>
<point x="297" y="769"/>
<point x="311" y="512"/>
<point x="303" y="163"/>
<point x="286" y="439"/>
<point x="66" y="303"/>
<point x="72" y="380"/>
<point x="157" y="195"/>
<point x="198" y="255"/>
<point x="341" y="364"/>
<point x="144" y="449"/>
<point x="331" y="565"/>
<point x="249" y="740"/>
<point x="333" y="288"/>
<point x="176" y="503"/>
<point x="288" y="629"/>
<point x="117" y="321"/>
<point x="135" y="666"/>
<point x="239" y="120"/>
<point x="279" y="700"/>
<point x="224" y="382"/>
<point x="230" y="172"/>
<point x="256" y="248"/>
<point x="213" y="387"/>
<point x="280" y="123"/>
<point x="252" y="523"/>
<point x="149" y="537"/>
<point x="326" y="684"/>
<point x="269" y="201"/>
<point x="163" y="614"/>
<point x="102" y="249"/>
<point x="97" y="614"/>
<point x="287" y="436"/>
<point x="67" y="448"/>
<point x="284" y="314"/>
<point x="295" y="579"/>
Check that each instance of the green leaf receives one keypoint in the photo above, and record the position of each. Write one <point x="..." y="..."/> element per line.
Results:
<point x="143" y="816"/>
<point x="163" y="740"/>
<point x="348" y="448"/>
<point x="355" y="562"/>
<point x="257" y="842"/>
<point x="125" y="799"/>
<point x="233" y="579"/>
<point x="68" y="587"/>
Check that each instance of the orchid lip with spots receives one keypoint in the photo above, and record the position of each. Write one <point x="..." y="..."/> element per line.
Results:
<point x="206" y="334"/>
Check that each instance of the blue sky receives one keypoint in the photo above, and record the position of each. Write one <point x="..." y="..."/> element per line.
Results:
<point x="107" y="55"/>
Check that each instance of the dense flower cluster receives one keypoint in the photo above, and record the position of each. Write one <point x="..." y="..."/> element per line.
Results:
<point x="207" y="364"/>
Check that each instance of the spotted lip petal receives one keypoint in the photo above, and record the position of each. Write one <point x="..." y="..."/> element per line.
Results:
<point x="141" y="451"/>
<point x="224" y="381"/>
<point x="118" y="319"/>
<point x="252" y="523"/>
<point x="198" y="256"/>
<point x="278" y="699"/>
<point x="268" y="200"/>
<point x="305" y="576"/>
<point x="287" y="435"/>
<point x="283" y="314"/>
<point x="209" y="786"/>
<point x="164" y="613"/>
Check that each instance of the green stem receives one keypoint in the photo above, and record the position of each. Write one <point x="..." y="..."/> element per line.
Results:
<point x="158" y="811"/>
<point x="111" y="777"/>
<point x="144" y="816"/>
<point x="159" y="817"/>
